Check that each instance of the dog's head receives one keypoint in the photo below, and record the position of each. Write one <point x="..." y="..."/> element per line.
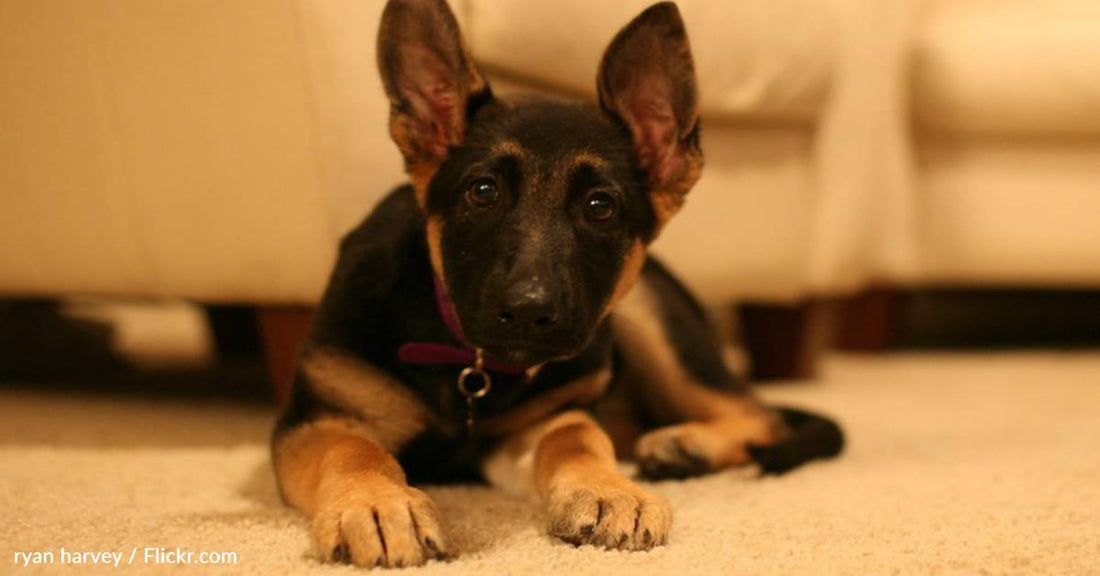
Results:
<point x="538" y="211"/>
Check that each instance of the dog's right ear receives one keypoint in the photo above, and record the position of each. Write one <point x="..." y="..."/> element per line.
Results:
<point x="430" y="81"/>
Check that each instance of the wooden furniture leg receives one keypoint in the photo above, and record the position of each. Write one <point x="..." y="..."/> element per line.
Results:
<point x="282" y="330"/>
<point x="784" y="341"/>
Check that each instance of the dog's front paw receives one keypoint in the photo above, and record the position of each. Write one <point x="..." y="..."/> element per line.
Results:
<point x="377" y="522"/>
<point x="612" y="512"/>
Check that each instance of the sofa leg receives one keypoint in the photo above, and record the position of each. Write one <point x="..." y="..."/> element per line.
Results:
<point x="234" y="332"/>
<point x="784" y="342"/>
<point x="868" y="322"/>
<point x="282" y="330"/>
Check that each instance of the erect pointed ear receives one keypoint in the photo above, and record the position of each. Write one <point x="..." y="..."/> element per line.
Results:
<point x="647" y="80"/>
<point x="430" y="80"/>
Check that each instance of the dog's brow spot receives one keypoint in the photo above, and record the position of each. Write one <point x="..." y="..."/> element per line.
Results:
<point x="509" y="148"/>
<point x="582" y="158"/>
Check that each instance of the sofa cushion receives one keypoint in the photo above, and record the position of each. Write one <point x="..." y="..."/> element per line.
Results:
<point x="754" y="59"/>
<point x="1010" y="213"/>
<point x="160" y="149"/>
<point x="1009" y="67"/>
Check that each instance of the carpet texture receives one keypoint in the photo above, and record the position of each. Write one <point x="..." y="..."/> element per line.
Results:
<point x="957" y="464"/>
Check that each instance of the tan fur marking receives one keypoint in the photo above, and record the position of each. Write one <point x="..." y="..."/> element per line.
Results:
<point x="667" y="202"/>
<point x="326" y="447"/>
<point x="578" y="449"/>
<point x="724" y="422"/>
<point x="389" y="412"/>
<point x="637" y="327"/>
<point x="588" y="501"/>
<point x="628" y="276"/>
<point x="511" y="465"/>
<point x="356" y="495"/>
<point x="420" y="166"/>
<point x="533" y="371"/>
<point x="510" y="148"/>
<point x="581" y="391"/>
<point x="721" y="443"/>
<point x="570" y="463"/>
<point x="665" y="206"/>
<point x="421" y="174"/>
<point x="434" y="231"/>
<point x="581" y="158"/>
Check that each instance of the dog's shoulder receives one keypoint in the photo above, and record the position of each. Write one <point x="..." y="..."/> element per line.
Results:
<point x="381" y="285"/>
<point x="371" y="253"/>
<point x="381" y="270"/>
<point x="661" y="318"/>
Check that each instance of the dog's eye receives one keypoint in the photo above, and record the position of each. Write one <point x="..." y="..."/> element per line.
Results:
<point x="482" y="192"/>
<point x="599" y="206"/>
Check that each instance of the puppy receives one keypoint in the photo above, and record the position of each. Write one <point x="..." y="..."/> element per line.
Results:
<point x="484" y="318"/>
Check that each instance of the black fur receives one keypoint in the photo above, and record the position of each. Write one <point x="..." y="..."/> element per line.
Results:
<point x="813" y="437"/>
<point x="380" y="296"/>
<point x="537" y="227"/>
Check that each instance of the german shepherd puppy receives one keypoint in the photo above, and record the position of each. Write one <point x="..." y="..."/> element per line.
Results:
<point x="484" y="318"/>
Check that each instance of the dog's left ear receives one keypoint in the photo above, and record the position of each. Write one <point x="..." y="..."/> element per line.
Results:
<point x="429" y="79"/>
<point x="647" y="80"/>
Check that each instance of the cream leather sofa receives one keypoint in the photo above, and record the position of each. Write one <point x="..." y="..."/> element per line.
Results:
<point x="216" y="149"/>
<point x="1006" y="115"/>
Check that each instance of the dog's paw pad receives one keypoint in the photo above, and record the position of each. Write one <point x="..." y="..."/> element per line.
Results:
<point x="670" y="453"/>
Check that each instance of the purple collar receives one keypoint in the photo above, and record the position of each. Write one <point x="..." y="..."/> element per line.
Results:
<point x="429" y="353"/>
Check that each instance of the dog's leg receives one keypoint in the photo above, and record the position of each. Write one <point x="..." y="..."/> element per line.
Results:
<point x="339" y="471"/>
<point x="711" y="418"/>
<point x="570" y="463"/>
<point x="355" y="493"/>
<point x="717" y="436"/>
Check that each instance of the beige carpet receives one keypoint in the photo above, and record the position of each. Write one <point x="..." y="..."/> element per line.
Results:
<point x="967" y="464"/>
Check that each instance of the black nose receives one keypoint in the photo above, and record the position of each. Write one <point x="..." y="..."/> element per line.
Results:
<point x="528" y="306"/>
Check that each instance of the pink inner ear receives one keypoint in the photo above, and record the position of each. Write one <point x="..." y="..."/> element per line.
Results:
<point x="655" y="128"/>
<point x="435" y="101"/>
<point x="443" y="129"/>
